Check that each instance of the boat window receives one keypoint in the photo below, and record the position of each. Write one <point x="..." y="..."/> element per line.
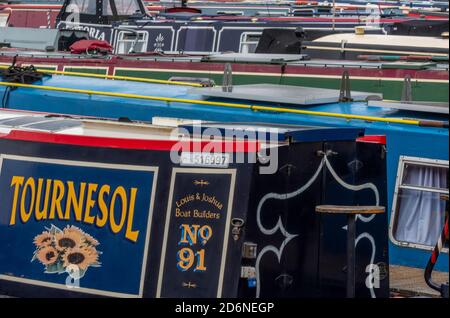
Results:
<point x="3" y="19"/>
<point x="304" y="12"/>
<point x="249" y="42"/>
<point x="84" y="6"/>
<point x="107" y="8"/>
<point x="324" y="10"/>
<point x="231" y="12"/>
<point x="418" y="212"/>
<point x="271" y="13"/>
<point x="132" y="42"/>
<point x="127" y="7"/>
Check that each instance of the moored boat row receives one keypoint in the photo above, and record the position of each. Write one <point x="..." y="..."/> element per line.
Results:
<point x="219" y="159"/>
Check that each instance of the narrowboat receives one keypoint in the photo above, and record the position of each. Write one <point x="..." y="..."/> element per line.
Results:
<point x="192" y="32"/>
<point x="137" y="13"/>
<point x="274" y="9"/>
<point x="417" y="134"/>
<point x="107" y="208"/>
<point x="370" y="73"/>
<point x="292" y="56"/>
<point x="133" y="31"/>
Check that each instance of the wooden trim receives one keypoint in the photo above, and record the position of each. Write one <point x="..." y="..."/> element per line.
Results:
<point x="344" y="209"/>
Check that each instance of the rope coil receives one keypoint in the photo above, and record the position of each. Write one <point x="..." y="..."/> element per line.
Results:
<point x="22" y="74"/>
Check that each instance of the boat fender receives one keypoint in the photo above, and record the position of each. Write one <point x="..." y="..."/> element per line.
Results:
<point x="90" y="47"/>
<point x="433" y="123"/>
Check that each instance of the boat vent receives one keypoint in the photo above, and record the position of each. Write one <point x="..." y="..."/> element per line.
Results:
<point x="40" y="123"/>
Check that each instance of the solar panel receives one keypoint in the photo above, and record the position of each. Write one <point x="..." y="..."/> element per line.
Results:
<point x="21" y="121"/>
<point x="283" y="94"/>
<point x="56" y="125"/>
<point x="40" y="123"/>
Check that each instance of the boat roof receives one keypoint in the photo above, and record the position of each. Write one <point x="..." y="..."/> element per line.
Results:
<point x="430" y="107"/>
<point x="381" y="39"/>
<point x="256" y="58"/>
<point x="281" y="94"/>
<point x="168" y="129"/>
<point x="303" y="60"/>
<point x="191" y="99"/>
<point x="80" y="126"/>
<point x="281" y="133"/>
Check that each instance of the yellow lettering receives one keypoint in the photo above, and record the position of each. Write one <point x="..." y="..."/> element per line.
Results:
<point x="130" y="234"/>
<point x="57" y="196"/>
<point x="101" y="221"/>
<point x="189" y="234"/>
<point x="42" y="214"/>
<point x="205" y="234"/>
<point x="16" y="182"/>
<point x="200" y="261"/>
<point x="55" y="199"/>
<point x="186" y="258"/>
<point x="75" y="202"/>
<point x="120" y="191"/>
<point x="92" y="187"/>
<point x="24" y="213"/>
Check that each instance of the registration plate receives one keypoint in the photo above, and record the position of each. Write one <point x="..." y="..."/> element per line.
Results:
<point x="203" y="159"/>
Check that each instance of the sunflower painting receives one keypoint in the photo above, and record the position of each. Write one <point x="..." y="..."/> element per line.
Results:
<point x="58" y="250"/>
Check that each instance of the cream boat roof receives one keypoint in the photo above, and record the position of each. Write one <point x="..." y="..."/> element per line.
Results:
<point x="381" y="39"/>
<point x="161" y="129"/>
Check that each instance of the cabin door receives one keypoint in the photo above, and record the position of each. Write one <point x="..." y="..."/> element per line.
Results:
<point x="200" y="256"/>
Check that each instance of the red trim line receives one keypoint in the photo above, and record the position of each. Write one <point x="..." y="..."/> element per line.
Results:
<point x="373" y="139"/>
<point x="446" y="230"/>
<point x="434" y="256"/>
<point x="138" y="144"/>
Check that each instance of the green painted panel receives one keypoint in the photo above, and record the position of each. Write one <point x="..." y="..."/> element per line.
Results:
<point x="409" y="65"/>
<point x="86" y="70"/>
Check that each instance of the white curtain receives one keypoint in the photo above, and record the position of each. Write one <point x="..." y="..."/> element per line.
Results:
<point x="421" y="213"/>
<point x="86" y="6"/>
<point x="126" y="7"/>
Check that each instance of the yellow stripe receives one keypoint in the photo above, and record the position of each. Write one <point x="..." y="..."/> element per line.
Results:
<point x="345" y="116"/>
<point x="222" y="104"/>
<point x="114" y="77"/>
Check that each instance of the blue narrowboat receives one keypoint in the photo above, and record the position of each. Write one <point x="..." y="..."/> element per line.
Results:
<point x="111" y="208"/>
<point x="129" y="29"/>
<point x="416" y="134"/>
